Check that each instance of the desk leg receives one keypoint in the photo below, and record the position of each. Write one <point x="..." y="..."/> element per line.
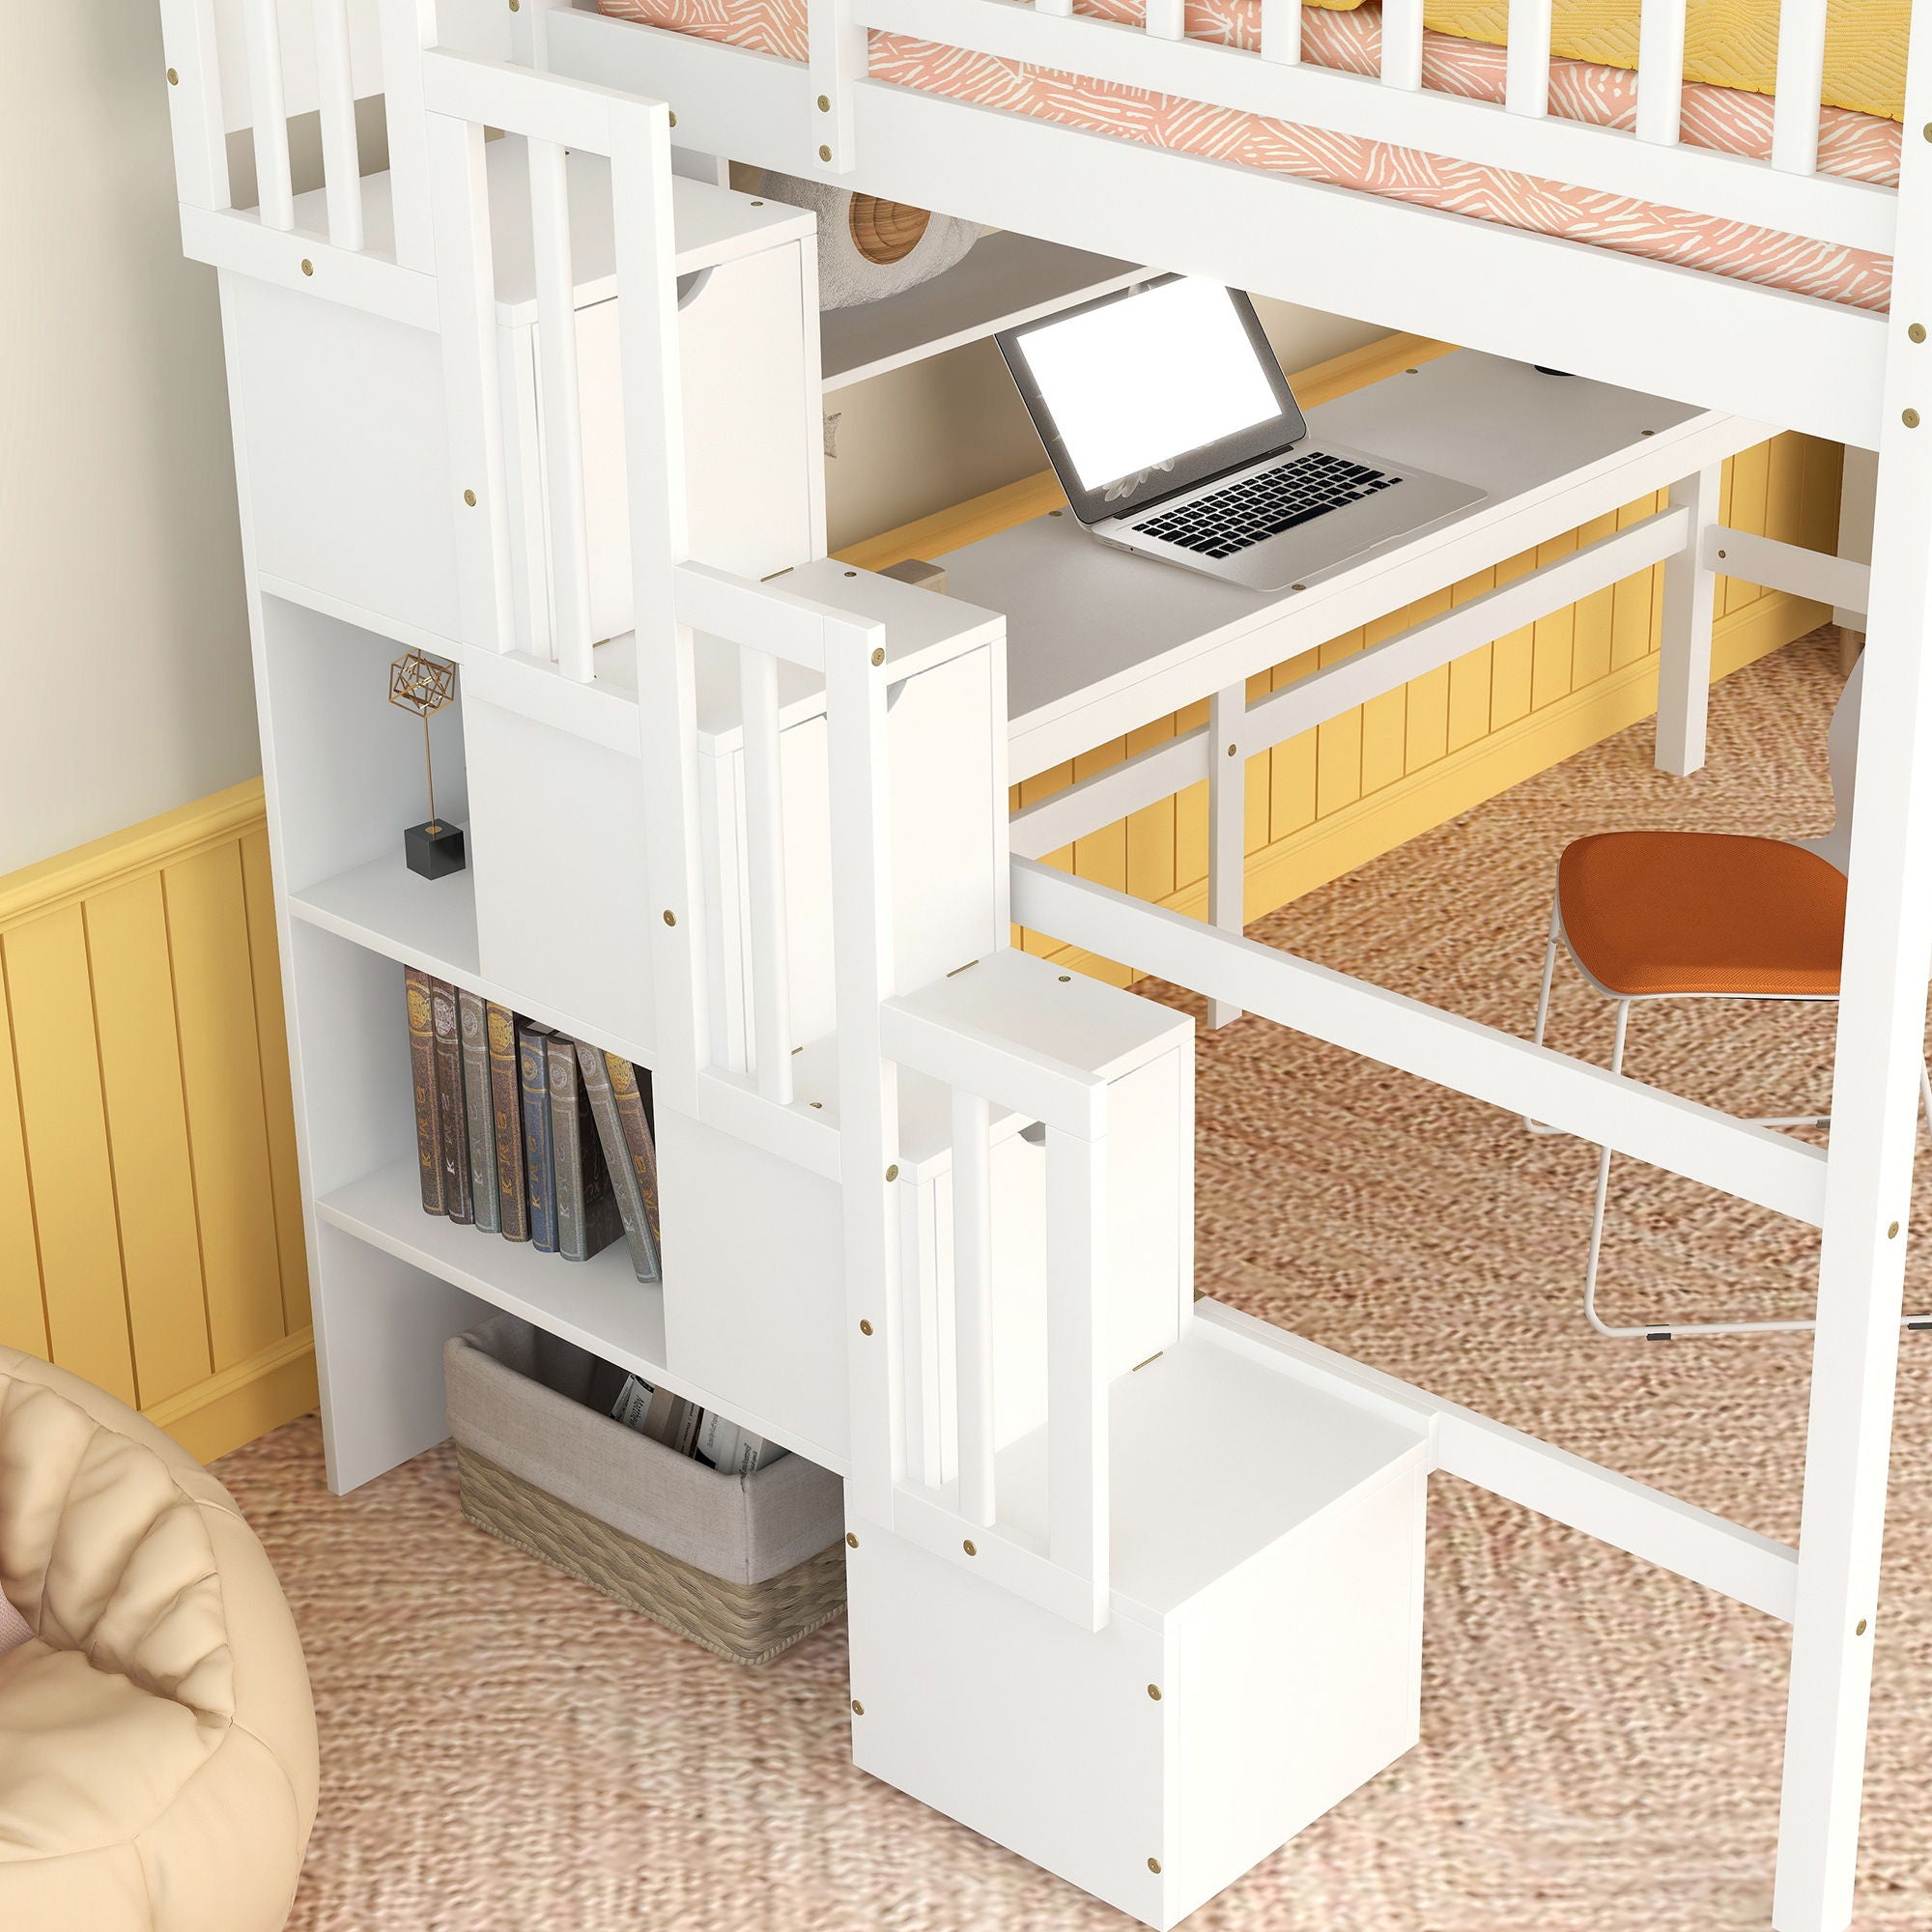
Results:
<point x="1689" y="605"/>
<point x="1227" y="824"/>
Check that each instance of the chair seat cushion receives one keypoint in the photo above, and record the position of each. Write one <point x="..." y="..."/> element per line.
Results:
<point x="1702" y="912"/>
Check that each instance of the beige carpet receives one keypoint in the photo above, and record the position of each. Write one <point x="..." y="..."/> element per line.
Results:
<point x="505" y="1751"/>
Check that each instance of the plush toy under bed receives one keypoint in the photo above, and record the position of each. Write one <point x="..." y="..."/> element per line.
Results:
<point x="868" y="247"/>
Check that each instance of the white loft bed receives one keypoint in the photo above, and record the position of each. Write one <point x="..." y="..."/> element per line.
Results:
<point x="436" y="446"/>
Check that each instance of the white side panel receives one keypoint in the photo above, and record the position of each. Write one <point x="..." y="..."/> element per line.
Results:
<point x="947" y="848"/>
<point x="343" y="429"/>
<point x="1298" y="1678"/>
<point x="1147" y="1138"/>
<point x="1011" y="1719"/>
<point x="748" y="459"/>
<point x="754" y="1279"/>
<point x="556" y="845"/>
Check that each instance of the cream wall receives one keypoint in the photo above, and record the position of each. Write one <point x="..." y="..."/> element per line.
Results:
<point x="124" y="658"/>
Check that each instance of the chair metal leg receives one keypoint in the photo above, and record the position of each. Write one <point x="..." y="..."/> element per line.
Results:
<point x="1531" y="1126"/>
<point x="1671" y="1331"/>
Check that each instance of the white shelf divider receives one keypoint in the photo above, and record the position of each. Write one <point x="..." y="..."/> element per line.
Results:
<point x="1004" y="281"/>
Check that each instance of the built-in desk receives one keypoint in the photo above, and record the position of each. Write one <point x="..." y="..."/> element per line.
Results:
<point x="1101" y="642"/>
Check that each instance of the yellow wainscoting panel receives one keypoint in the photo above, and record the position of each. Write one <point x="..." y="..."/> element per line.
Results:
<point x="151" y="1232"/>
<point x="1336" y="797"/>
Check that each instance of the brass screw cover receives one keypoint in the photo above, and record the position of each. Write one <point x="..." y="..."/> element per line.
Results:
<point x="1910" y="418"/>
<point x="1891" y="1233"/>
<point x="174" y="78"/>
<point x="470" y="498"/>
<point x="858" y="1709"/>
<point x="893" y="1171"/>
<point x="673" y="117"/>
<point x="879" y="656"/>
<point x="825" y="104"/>
<point x="1916" y="332"/>
<point x="825" y="153"/>
<point x="1153" y="1691"/>
<point x="865" y="1327"/>
<point x="1863" y="1626"/>
<point x="671" y="918"/>
<point x="308" y="266"/>
<point x="851" y="1540"/>
<point x="970" y="1548"/>
<point x="1153" y="1865"/>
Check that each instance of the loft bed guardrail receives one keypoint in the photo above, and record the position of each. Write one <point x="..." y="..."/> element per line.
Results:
<point x="1644" y="323"/>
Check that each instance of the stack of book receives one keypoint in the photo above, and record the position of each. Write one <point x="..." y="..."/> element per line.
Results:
<point x="528" y="1134"/>
<point x="679" y="1424"/>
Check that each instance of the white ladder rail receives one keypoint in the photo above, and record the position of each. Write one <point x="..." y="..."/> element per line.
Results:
<point x="1874" y="1109"/>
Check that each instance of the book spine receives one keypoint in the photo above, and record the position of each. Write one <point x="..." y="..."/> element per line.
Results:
<point x="619" y="1175"/>
<point x="423" y="1083"/>
<point x="539" y="1175"/>
<point x="718" y="1442"/>
<point x="469" y="1022"/>
<point x="566" y="1144"/>
<point x="451" y="1125"/>
<point x="506" y="1108"/>
<point x="632" y="1105"/>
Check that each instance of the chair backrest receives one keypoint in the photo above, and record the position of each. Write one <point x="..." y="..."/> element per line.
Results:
<point x="1842" y="750"/>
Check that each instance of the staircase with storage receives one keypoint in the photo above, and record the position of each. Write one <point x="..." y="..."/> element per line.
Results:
<point x="1131" y="1592"/>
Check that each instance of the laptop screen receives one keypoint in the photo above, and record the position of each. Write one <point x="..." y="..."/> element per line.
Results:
<point x="1142" y="394"/>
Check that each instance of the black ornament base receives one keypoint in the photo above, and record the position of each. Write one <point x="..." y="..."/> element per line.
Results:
<point x="434" y="849"/>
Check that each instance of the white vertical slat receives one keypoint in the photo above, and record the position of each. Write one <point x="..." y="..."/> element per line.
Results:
<point x="1659" y="72"/>
<point x="835" y="54"/>
<point x="560" y="412"/>
<point x="1059" y="7"/>
<point x="1227" y="825"/>
<point x="472" y="395"/>
<point x="864" y="971"/>
<point x="764" y="840"/>
<point x="268" y="115"/>
<point x="1167" y="19"/>
<point x="1402" y="44"/>
<point x="1527" y="79"/>
<point x="194" y="104"/>
<point x="973" y="1303"/>
<point x="1874" y="1122"/>
<point x="666" y="673"/>
<point x="1684" y="649"/>
<point x="409" y="26"/>
<point x="1078" y="1506"/>
<point x="1281" y="31"/>
<point x="1801" y="86"/>
<point x="335" y="101"/>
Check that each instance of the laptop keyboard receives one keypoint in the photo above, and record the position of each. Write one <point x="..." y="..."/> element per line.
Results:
<point x="1262" y="506"/>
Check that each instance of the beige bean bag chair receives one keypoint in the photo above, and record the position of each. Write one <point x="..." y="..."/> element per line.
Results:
<point x="157" y="1758"/>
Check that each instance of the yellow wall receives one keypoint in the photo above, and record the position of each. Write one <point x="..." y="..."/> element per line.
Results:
<point x="1333" y="798"/>
<point x="150" y="1234"/>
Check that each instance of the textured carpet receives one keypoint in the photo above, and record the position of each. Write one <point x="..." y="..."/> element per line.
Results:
<point x="503" y="1751"/>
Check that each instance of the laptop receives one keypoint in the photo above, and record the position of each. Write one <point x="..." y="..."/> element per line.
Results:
<point x="1175" y="433"/>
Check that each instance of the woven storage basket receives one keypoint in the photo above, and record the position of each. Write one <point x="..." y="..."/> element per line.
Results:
<point x="743" y="1565"/>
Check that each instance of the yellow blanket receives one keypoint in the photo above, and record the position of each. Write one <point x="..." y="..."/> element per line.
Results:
<point x="1726" y="42"/>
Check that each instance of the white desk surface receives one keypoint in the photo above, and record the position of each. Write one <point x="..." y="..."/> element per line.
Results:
<point x="1099" y="641"/>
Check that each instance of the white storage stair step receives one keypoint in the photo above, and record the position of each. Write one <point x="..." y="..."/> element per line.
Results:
<point x="1262" y="1658"/>
<point x="755" y="1300"/>
<point x="342" y="421"/>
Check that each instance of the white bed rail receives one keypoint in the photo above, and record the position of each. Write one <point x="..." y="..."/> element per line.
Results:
<point x="266" y="66"/>
<point x="1785" y="193"/>
<point x="1068" y="1573"/>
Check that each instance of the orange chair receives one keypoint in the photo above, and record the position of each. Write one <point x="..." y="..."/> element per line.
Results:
<point x="1702" y="915"/>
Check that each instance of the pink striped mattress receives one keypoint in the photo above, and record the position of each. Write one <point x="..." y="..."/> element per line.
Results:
<point x="1860" y="147"/>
